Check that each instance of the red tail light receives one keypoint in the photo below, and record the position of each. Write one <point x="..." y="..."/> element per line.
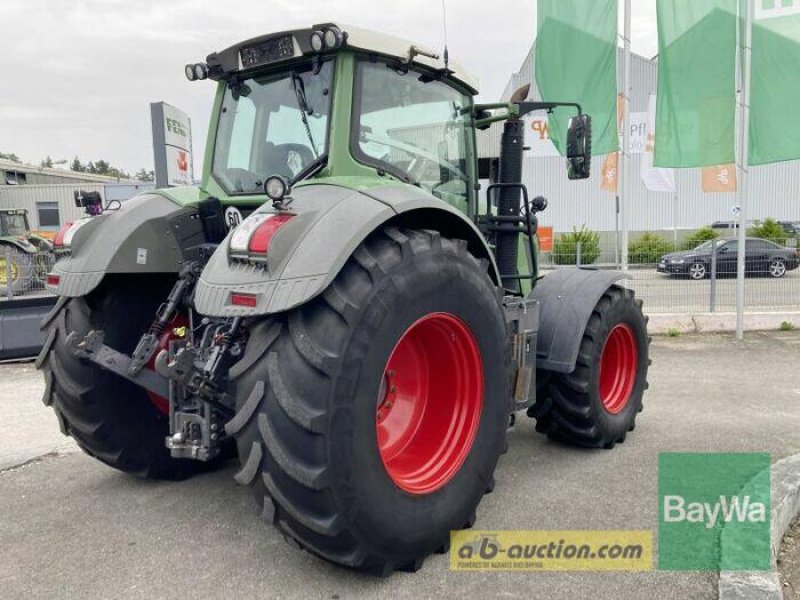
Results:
<point x="262" y="236"/>
<point x="58" y="242"/>
<point x="248" y="300"/>
<point x="53" y="280"/>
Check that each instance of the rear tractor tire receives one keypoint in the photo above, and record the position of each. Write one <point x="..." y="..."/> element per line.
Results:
<point x="111" y="419"/>
<point x="16" y="270"/>
<point x="596" y="405"/>
<point x="371" y="419"/>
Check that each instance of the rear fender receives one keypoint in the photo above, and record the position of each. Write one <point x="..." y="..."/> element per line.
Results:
<point x="21" y="245"/>
<point x="567" y="298"/>
<point x="148" y="234"/>
<point x="308" y="252"/>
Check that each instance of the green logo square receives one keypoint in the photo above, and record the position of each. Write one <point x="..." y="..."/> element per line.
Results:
<point x="714" y="512"/>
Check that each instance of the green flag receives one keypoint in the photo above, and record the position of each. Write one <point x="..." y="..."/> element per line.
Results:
<point x="775" y="82"/>
<point x="696" y="113"/>
<point x="576" y="61"/>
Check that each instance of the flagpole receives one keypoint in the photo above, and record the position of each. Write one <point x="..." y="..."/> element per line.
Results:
<point x="624" y="163"/>
<point x="744" y="159"/>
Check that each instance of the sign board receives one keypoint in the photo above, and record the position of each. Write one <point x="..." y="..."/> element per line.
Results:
<point x="172" y="145"/>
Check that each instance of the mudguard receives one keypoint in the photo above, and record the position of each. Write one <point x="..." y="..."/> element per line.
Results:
<point x="308" y="252"/>
<point x="21" y="245"/>
<point x="567" y="298"/>
<point x="148" y="234"/>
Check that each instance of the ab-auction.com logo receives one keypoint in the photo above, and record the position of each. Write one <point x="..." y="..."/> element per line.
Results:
<point x="551" y="550"/>
<point x="714" y="511"/>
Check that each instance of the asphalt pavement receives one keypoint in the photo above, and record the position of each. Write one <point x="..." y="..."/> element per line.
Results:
<point x="73" y="528"/>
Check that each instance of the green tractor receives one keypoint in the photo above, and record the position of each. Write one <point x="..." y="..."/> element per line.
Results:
<point x="25" y="257"/>
<point x="337" y="305"/>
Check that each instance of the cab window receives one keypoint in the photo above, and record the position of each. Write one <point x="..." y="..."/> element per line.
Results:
<point x="414" y="127"/>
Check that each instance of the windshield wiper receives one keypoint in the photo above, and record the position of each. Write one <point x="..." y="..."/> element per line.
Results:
<point x="314" y="167"/>
<point x="302" y="104"/>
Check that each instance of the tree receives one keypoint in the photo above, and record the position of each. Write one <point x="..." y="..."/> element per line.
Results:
<point x="703" y="234"/>
<point x="76" y="165"/>
<point x="770" y="230"/>
<point x="565" y="249"/>
<point x="47" y="163"/>
<point x="145" y="175"/>
<point x="10" y="156"/>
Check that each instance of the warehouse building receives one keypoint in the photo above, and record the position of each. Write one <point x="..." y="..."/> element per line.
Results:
<point x="47" y="194"/>
<point x="774" y="189"/>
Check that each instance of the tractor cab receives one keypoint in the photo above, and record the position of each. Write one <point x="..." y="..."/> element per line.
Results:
<point x="338" y="104"/>
<point x="14" y="223"/>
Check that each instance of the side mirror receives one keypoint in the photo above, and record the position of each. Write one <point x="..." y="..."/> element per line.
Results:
<point x="579" y="147"/>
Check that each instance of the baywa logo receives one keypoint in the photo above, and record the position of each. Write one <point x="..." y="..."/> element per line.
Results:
<point x="175" y="126"/>
<point x="728" y="509"/>
<point x="714" y="511"/>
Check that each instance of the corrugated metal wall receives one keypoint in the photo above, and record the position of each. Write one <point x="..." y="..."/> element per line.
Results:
<point x="27" y="196"/>
<point x="775" y="189"/>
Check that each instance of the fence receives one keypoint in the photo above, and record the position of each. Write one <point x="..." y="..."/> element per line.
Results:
<point x="671" y="276"/>
<point x="23" y="274"/>
<point x="691" y="276"/>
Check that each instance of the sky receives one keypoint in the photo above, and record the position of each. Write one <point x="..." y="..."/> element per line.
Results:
<point x="79" y="75"/>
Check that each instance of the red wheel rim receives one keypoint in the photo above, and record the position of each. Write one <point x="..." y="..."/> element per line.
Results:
<point x="180" y="321"/>
<point x="619" y="363"/>
<point x="429" y="404"/>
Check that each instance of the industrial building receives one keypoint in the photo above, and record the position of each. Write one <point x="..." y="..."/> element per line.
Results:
<point x="774" y="189"/>
<point x="47" y="194"/>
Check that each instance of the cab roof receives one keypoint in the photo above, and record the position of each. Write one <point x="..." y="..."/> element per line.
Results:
<point x="286" y="45"/>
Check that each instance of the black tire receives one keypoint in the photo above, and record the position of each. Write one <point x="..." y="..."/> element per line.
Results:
<point x="570" y="407"/>
<point x="777" y="268"/>
<point x="110" y="418"/>
<point x="697" y="271"/>
<point x="21" y="270"/>
<point x="307" y="389"/>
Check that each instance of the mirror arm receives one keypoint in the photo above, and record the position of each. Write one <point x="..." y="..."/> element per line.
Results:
<point x="529" y="107"/>
<point x="513" y="110"/>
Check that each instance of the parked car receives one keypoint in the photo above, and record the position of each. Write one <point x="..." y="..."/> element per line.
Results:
<point x="792" y="228"/>
<point x="762" y="258"/>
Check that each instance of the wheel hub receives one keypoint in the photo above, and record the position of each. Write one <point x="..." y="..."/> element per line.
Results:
<point x="619" y="364"/>
<point x="429" y="403"/>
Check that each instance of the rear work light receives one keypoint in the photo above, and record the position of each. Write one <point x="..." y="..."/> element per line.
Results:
<point x="255" y="233"/>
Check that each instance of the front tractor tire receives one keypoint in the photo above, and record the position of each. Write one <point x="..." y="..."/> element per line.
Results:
<point x="370" y="420"/>
<point x="596" y="405"/>
<point x="110" y="418"/>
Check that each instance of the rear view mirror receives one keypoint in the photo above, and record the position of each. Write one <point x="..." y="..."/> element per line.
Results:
<point x="579" y="147"/>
